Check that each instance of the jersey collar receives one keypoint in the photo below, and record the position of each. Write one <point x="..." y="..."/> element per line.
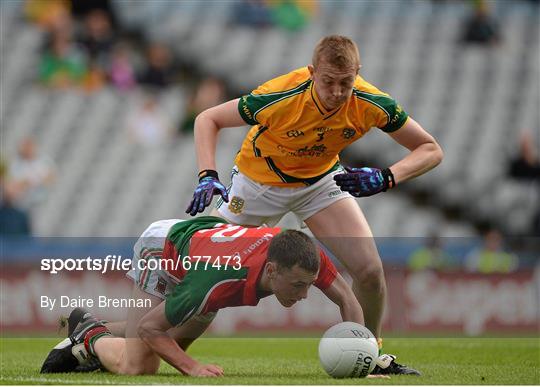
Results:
<point x="318" y="104"/>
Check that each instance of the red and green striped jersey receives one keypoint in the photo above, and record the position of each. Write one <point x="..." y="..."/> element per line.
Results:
<point x="218" y="265"/>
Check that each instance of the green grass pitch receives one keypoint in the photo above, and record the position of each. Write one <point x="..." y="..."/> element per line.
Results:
<point x="294" y="361"/>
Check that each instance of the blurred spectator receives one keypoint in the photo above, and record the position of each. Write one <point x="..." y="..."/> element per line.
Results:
<point x="47" y="13"/>
<point x="491" y="256"/>
<point x="63" y="64"/>
<point x="431" y="256"/>
<point x="81" y="8"/>
<point x="60" y="26"/>
<point x="95" y="78"/>
<point x="97" y="37"/>
<point x="13" y="220"/>
<point x="526" y="165"/>
<point x="252" y="13"/>
<point x="31" y="175"/>
<point x="210" y="92"/>
<point x="535" y="229"/>
<point x="159" y="68"/>
<point x="149" y="125"/>
<point x="481" y="27"/>
<point x="121" y="70"/>
<point x="292" y="15"/>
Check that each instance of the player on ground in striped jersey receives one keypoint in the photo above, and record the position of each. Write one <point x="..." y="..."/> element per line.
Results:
<point x="207" y="265"/>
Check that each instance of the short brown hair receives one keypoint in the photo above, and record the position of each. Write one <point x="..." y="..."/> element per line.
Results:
<point x="292" y="247"/>
<point x="338" y="51"/>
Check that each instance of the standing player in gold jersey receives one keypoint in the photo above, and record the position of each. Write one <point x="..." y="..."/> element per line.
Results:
<point x="289" y="162"/>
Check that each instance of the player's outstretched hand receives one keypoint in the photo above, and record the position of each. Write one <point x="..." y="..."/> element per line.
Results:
<point x="202" y="197"/>
<point x="206" y="370"/>
<point x="361" y="182"/>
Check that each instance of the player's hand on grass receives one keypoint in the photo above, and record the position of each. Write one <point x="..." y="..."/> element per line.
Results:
<point x="362" y="182"/>
<point x="206" y="370"/>
<point x="209" y="185"/>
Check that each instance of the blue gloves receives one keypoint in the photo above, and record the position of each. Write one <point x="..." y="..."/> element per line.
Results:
<point x="209" y="185"/>
<point x="361" y="182"/>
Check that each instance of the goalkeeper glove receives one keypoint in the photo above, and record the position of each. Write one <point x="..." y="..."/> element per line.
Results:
<point x="362" y="182"/>
<point x="209" y="185"/>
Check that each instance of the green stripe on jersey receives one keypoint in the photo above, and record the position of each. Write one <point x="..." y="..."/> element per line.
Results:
<point x="291" y="179"/>
<point x="252" y="104"/>
<point x="396" y="116"/>
<point x="181" y="233"/>
<point x="256" y="150"/>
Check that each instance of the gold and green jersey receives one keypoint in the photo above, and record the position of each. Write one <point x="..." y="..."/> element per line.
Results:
<point x="294" y="140"/>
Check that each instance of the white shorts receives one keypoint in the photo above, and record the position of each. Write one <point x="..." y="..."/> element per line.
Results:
<point x="146" y="252"/>
<point x="148" y="276"/>
<point x="252" y="203"/>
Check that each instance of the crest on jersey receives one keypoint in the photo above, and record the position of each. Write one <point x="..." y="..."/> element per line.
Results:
<point x="236" y="205"/>
<point x="348" y="133"/>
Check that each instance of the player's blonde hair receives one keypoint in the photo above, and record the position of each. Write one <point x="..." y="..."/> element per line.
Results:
<point x="338" y="51"/>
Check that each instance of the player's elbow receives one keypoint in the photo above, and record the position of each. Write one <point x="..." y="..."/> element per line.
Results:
<point x="205" y="120"/>
<point x="439" y="155"/>
<point x="200" y="120"/>
<point x="436" y="153"/>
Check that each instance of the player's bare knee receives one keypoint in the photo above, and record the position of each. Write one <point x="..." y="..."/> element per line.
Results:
<point x="146" y="367"/>
<point x="145" y="329"/>
<point x="140" y="363"/>
<point x="370" y="277"/>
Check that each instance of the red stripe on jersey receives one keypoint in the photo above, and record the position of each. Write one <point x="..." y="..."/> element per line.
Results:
<point x="171" y="258"/>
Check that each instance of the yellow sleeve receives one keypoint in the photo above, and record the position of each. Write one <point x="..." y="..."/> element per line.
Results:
<point x="384" y="112"/>
<point x="254" y="107"/>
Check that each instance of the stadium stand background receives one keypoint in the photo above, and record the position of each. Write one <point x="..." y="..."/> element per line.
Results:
<point x="473" y="99"/>
<point x="476" y="99"/>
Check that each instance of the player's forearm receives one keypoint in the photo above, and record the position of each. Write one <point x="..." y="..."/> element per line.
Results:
<point x="342" y="295"/>
<point x="351" y="311"/>
<point x="422" y="159"/>
<point x="166" y="348"/>
<point x="206" y="133"/>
